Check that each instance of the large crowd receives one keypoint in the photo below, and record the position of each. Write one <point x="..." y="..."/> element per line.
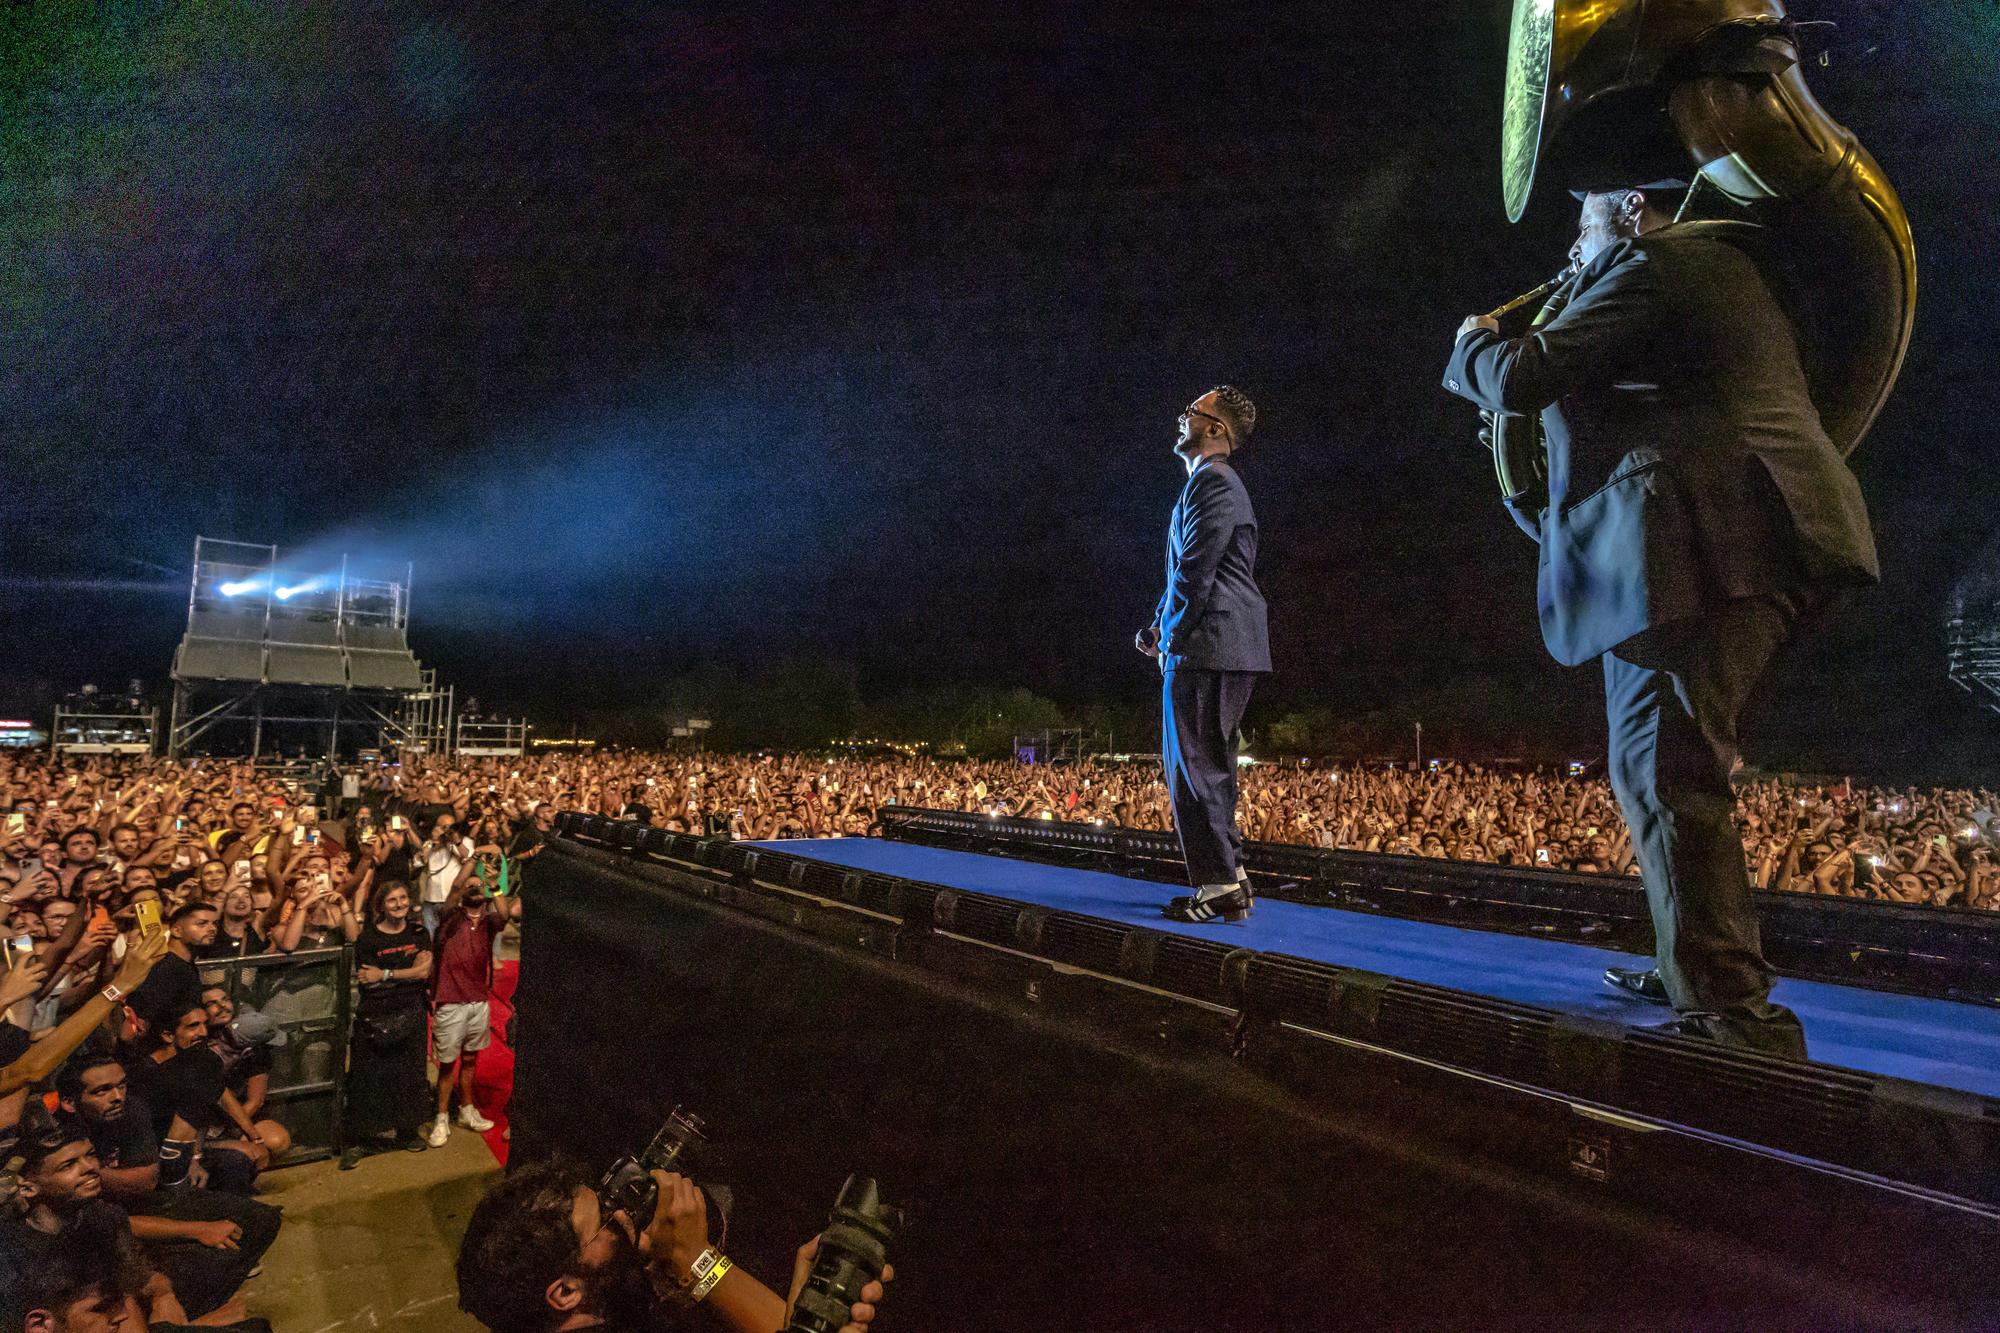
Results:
<point x="1932" y="845"/>
<point x="136" y="1115"/>
<point x="280" y="855"/>
<point x="134" y="1080"/>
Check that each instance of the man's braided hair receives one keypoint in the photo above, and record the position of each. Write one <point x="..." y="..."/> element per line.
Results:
<point x="1234" y="406"/>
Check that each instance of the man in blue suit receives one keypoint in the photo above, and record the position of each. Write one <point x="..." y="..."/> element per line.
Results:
<point x="1209" y="635"/>
<point x="1696" y="516"/>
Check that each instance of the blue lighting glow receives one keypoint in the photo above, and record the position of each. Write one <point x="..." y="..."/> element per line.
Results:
<point x="237" y="587"/>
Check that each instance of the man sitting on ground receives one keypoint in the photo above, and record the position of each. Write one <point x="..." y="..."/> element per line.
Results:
<point x="61" y="1194"/>
<point x="181" y="1077"/>
<point x="245" y="1044"/>
<point x="183" y="1227"/>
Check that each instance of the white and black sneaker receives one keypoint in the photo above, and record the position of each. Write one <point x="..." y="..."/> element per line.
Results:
<point x="1231" y="907"/>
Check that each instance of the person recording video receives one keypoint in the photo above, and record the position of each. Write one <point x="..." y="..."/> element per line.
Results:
<point x="543" y="1254"/>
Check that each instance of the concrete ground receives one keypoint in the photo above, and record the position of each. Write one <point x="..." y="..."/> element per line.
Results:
<point x="372" y="1248"/>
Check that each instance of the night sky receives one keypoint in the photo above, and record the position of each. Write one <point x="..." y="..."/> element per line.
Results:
<point x="668" y="335"/>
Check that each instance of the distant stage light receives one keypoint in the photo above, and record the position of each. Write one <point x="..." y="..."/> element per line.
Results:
<point x="292" y="590"/>
<point x="237" y="587"/>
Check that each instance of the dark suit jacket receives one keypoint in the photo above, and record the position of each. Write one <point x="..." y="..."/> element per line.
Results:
<point x="1211" y="616"/>
<point x="1687" y="464"/>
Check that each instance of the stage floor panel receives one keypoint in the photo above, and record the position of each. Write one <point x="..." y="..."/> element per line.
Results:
<point x="1940" y="1042"/>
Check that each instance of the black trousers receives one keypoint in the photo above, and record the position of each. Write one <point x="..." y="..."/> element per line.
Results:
<point x="204" y="1278"/>
<point x="1200" y="714"/>
<point x="1673" y="698"/>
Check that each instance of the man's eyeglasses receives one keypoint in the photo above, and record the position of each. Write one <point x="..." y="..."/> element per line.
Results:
<point x="1205" y="416"/>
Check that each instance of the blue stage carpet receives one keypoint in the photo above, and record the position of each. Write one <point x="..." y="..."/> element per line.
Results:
<point x="1929" y="1041"/>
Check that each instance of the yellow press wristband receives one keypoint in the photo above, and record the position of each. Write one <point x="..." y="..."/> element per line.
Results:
<point x="707" y="1271"/>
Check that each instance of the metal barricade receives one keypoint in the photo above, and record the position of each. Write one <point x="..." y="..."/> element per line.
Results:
<point x="309" y="996"/>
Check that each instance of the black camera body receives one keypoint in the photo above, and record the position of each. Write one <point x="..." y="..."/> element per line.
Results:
<point x="628" y="1182"/>
<point x="853" y="1250"/>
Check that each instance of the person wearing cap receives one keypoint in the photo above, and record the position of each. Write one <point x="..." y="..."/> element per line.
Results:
<point x="245" y="1041"/>
<point x="1696" y="515"/>
<point x="461" y="990"/>
<point x="1210" y="638"/>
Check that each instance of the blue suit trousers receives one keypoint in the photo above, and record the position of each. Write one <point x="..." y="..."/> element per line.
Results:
<point x="1200" y="713"/>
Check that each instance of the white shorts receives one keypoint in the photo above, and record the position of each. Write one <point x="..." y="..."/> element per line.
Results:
<point x="456" y="1028"/>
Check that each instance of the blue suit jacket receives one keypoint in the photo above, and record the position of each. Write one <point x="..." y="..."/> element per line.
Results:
<point x="1687" y="464"/>
<point x="1211" y="616"/>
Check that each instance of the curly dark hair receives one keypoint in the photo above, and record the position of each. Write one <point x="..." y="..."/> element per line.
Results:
<point x="519" y="1240"/>
<point x="1234" y="406"/>
<point x="83" y="1263"/>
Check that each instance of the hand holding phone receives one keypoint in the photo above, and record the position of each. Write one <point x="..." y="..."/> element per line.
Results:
<point x="19" y="950"/>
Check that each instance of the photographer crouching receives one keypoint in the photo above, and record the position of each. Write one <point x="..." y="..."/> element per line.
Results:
<point x="544" y="1254"/>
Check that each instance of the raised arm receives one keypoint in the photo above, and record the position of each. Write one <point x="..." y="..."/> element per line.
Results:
<point x="1607" y="329"/>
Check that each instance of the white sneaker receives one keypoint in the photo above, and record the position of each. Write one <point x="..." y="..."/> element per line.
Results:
<point x="440" y="1131"/>
<point x="468" y="1115"/>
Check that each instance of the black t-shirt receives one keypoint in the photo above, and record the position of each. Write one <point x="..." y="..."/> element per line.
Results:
<point x="398" y="865"/>
<point x="313" y="936"/>
<point x="189" y="1086"/>
<point x="129" y="1140"/>
<point x="392" y="952"/>
<point x="224" y="947"/>
<point x="171" y="989"/>
<point x="527" y="840"/>
<point x="24" y="1250"/>
<point x="14" y="1043"/>
<point x="241" y="1061"/>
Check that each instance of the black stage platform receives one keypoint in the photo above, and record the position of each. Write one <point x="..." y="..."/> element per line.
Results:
<point x="1329" y="1118"/>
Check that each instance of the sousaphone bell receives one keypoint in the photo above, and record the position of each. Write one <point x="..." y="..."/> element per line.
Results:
<point x="1602" y="92"/>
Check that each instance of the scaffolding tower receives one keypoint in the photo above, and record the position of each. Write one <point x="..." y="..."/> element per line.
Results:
<point x="88" y="724"/>
<point x="1974" y="646"/>
<point x="503" y="737"/>
<point x="424" y="719"/>
<point x="1972" y="628"/>
<point x="293" y="651"/>
<point x="1058" y="745"/>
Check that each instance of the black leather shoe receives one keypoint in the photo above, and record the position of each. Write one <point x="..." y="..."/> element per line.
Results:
<point x="1782" y="1037"/>
<point x="1694" y="1024"/>
<point x="1231" y="908"/>
<point x="1645" y="984"/>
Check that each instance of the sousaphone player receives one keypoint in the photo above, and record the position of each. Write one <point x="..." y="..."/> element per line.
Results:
<point x="1697" y="511"/>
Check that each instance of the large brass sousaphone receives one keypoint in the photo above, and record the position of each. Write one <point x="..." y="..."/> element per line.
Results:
<point x="1604" y="90"/>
